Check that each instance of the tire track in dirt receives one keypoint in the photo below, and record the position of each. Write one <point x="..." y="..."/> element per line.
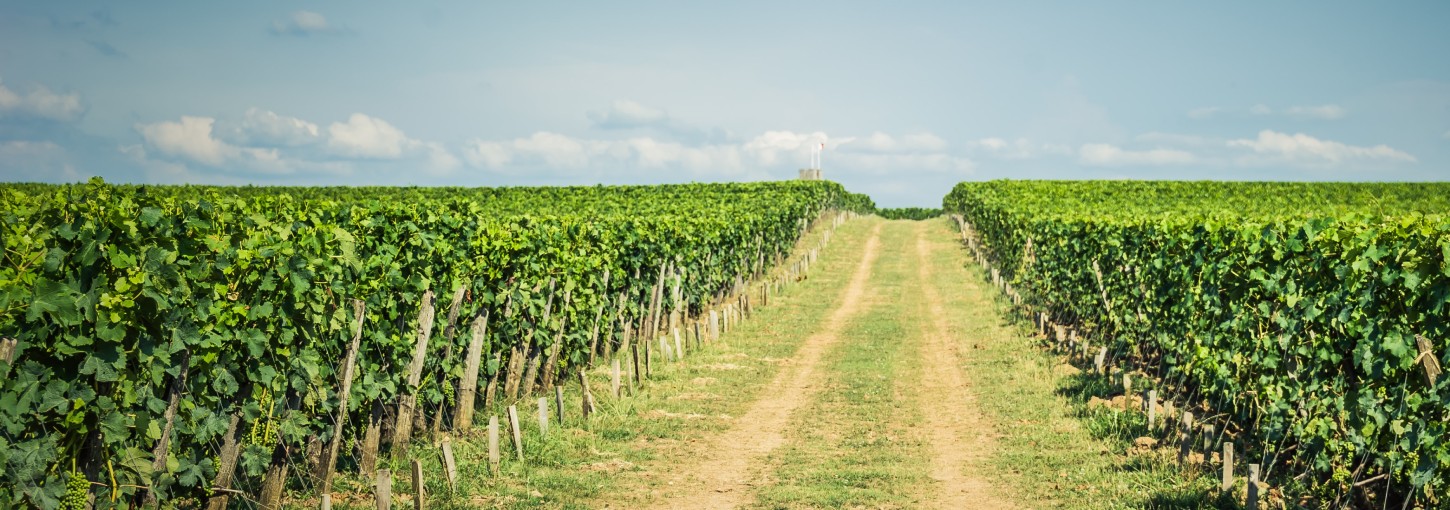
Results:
<point x="721" y="477"/>
<point x="959" y="435"/>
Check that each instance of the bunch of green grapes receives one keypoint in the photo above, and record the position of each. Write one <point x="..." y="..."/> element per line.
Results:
<point x="263" y="431"/>
<point x="77" y="489"/>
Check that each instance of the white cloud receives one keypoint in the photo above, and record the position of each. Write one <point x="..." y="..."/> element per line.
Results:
<point x="1272" y="147"/>
<point x="768" y="147"/>
<point x="1100" y="154"/>
<point x="190" y="138"/>
<point x="882" y="142"/>
<point x="1261" y="109"/>
<point x="1204" y="112"/>
<point x="441" y="159"/>
<point x="265" y="128"/>
<point x="757" y="157"/>
<point x="303" y="23"/>
<point x="368" y="137"/>
<point x="1323" y="112"/>
<point x="41" y="102"/>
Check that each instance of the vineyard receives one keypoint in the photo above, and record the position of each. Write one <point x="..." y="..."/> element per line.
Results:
<point x="1304" y="323"/>
<point x="187" y="344"/>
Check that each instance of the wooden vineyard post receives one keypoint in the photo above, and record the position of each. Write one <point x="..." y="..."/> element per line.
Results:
<point x="384" y="489"/>
<point x="1187" y="440"/>
<point x="543" y="416"/>
<point x="450" y="467"/>
<point x="275" y="480"/>
<point x="168" y="418"/>
<point x="326" y="502"/>
<point x="1098" y="361"/>
<point x="551" y="363"/>
<point x="230" y="452"/>
<point x="450" y="329"/>
<point x="468" y="386"/>
<point x="348" y="367"/>
<point x="1152" y="407"/>
<point x="1253" y="495"/>
<point x="697" y="335"/>
<point x="559" y="403"/>
<point x="7" y="350"/>
<point x="679" y="347"/>
<point x="417" y="485"/>
<point x="1228" y="465"/>
<point x="403" y="425"/>
<point x="1127" y="391"/>
<point x="714" y="326"/>
<point x="517" y="435"/>
<point x="586" y="399"/>
<point x="614" y="379"/>
<point x="1427" y="360"/>
<point x="493" y="456"/>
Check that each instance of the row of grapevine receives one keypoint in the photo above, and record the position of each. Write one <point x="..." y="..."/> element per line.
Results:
<point x="1299" y="311"/>
<point x="178" y="343"/>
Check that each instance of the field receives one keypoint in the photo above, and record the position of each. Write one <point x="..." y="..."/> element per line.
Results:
<point x="766" y="345"/>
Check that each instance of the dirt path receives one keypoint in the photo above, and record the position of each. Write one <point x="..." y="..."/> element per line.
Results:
<point x="960" y="436"/>
<point x="721" y="475"/>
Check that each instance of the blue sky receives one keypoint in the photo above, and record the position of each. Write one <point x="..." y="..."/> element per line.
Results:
<point x="908" y="98"/>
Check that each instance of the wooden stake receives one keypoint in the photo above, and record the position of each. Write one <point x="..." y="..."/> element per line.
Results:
<point x="417" y="485"/>
<point x="1127" y="391"/>
<point x="493" y="456"/>
<point x="1427" y="360"/>
<point x="559" y="403"/>
<point x="1253" y="496"/>
<point x="586" y="398"/>
<point x="543" y="416"/>
<point x="231" y="450"/>
<point x="1152" y="407"/>
<point x="1098" y="361"/>
<point x="326" y="502"/>
<point x="468" y="387"/>
<point x="340" y="418"/>
<point x="450" y="468"/>
<point x="518" y="436"/>
<point x="1187" y="441"/>
<point x="614" y="379"/>
<point x="372" y="439"/>
<point x="403" y="426"/>
<point x="384" y="489"/>
<point x="7" y="350"/>
<point x="1228" y="465"/>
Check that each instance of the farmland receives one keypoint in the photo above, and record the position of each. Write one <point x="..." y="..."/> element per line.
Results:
<point x="1297" y="316"/>
<point x="749" y="345"/>
<point x="176" y="343"/>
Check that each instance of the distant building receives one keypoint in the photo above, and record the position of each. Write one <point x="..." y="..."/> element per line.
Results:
<point x="811" y="174"/>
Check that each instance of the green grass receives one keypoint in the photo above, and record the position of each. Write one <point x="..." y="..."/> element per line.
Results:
<point x="855" y="446"/>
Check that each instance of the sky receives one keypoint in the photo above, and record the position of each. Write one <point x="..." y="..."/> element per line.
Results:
<point x="904" y="98"/>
